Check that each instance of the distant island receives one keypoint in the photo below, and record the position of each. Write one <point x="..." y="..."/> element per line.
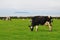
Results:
<point x="22" y="12"/>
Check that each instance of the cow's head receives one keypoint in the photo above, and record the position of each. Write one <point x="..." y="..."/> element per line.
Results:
<point x="31" y="28"/>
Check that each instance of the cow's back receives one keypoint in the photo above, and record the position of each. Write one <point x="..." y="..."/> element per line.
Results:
<point x="39" y="20"/>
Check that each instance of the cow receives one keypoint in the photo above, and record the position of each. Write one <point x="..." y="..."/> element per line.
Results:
<point x="41" y="20"/>
<point x="8" y="18"/>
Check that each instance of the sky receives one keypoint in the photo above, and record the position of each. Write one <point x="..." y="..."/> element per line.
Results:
<point x="33" y="7"/>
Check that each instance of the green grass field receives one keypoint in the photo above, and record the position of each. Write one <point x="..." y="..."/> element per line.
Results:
<point x="17" y="29"/>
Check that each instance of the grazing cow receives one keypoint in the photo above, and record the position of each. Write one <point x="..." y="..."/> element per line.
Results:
<point x="41" y="20"/>
<point x="8" y="18"/>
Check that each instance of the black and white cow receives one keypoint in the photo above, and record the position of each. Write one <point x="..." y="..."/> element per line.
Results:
<point x="41" y="20"/>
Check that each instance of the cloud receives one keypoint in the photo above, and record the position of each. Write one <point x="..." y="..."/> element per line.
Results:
<point x="31" y="4"/>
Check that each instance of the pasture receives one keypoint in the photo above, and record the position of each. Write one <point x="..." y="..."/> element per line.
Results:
<point x="17" y="29"/>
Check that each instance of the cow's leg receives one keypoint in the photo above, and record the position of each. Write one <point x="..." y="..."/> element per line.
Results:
<point x="50" y="27"/>
<point x="36" y="28"/>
